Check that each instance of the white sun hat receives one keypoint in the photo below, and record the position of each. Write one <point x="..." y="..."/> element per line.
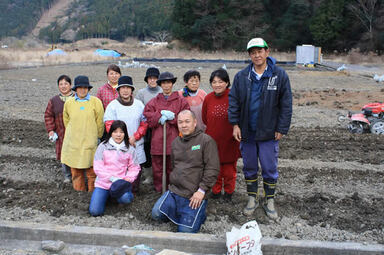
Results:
<point x="257" y="42"/>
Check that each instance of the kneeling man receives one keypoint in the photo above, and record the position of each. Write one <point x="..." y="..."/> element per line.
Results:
<point x="196" y="165"/>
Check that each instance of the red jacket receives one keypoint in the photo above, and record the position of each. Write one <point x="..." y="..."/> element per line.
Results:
<point x="215" y="116"/>
<point x="152" y="110"/>
<point x="53" y="118"/>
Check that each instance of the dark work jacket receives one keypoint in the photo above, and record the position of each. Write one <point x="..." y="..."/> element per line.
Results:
<point x="195" y="164"/>
<point x="275" y="110"/>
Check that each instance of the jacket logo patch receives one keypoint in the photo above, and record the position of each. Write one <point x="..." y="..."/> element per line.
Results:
<point x="196" y="147"/>
<point x="82" y="108"/>
<point x="271" y="83"/>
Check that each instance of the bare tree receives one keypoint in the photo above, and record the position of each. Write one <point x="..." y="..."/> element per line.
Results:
<point x="364" y="10"/>
<point x="161" y="36"/>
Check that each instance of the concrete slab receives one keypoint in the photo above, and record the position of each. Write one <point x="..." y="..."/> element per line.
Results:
<point x="158" y="240"/>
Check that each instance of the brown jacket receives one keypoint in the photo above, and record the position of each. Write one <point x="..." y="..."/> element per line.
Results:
<point x="195" y="164"/>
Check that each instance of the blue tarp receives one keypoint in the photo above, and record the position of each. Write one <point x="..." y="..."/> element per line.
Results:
<point x="107" y="53"/>
<point x="56" y="52"/>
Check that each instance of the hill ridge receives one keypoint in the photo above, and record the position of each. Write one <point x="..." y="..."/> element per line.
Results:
<point x="58" y="9"/>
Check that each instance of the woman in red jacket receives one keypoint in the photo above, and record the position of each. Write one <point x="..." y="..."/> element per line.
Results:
<point x="163" y="108"/>
<point x="53" y="119"/>
<point x="215" y="117"/>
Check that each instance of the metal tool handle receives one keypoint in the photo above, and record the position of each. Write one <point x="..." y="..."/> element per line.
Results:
<point x="164" y="157"/>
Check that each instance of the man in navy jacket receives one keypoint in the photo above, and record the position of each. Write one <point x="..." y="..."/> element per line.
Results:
<point x="260" y="110"/>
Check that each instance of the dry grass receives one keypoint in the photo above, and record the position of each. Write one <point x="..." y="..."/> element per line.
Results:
<point x="82" y="51"/>
<point x="354" y="56"/>
<point x="13" y="58"/>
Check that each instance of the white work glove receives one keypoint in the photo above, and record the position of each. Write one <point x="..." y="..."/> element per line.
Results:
<point x="162" y="119"/>
<point x="53" y="137"/>
<point x="170" y="115"/>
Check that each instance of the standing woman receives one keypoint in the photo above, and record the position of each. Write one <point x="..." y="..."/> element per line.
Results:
<point x="107" y="92"/>
<point x="83" y="120"/>
<point x="215" y="117"/>
<point x="163" y="108"/>
<point x="53" y="119"/>
<point x="129" y="110"/>
<point x="194" y="95"/>
<point x="116" y="167"/>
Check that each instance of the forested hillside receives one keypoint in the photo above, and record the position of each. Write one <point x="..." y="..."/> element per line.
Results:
<point x="19" y="17"/>
<point x="332" y="24"/>
<point x="210" y="24"/>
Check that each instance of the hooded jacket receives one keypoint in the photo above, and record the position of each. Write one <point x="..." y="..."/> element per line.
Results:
<point x="275" y="110"/>
<point x="195" y="164"/>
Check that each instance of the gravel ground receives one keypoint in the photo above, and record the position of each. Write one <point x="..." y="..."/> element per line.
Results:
<point x="331" y="182"/>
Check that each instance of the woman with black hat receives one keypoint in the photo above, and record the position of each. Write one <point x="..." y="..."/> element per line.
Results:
<point x="145" y="95"/>
<point x="152" y="89"/>
<point x="129" y="110"/>
<point x="83" y="121"/>
<point x="163" y="108"/>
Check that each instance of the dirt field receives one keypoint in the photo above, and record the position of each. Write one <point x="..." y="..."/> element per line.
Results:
<point x="331" y="182"/>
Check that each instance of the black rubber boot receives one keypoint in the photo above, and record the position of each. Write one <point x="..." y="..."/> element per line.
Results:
<point x="253" y="198"/>
<point x="269" y="200"/>
<point x="269" y="188"/>
<point x="252" y="187"/>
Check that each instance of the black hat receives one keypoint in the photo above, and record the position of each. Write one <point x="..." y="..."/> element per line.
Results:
<point x="152" y="71"/>
<point x="125" y="81"/>
<point x="119" y="187"/>
<point x="81" y="81"/>
<point x="166" y="76"/>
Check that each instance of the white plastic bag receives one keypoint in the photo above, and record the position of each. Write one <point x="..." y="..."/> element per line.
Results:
<point x="246" y="240"/>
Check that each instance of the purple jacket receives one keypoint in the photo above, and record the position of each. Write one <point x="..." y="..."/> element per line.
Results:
<point x="110" y="162"/>
<point x="152" y="110"/>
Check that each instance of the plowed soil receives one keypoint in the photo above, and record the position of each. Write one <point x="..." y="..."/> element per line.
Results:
<point x="331" y="182"/>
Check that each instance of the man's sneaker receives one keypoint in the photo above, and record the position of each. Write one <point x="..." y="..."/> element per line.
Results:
<point x="67" y="180"/>
<point x="269" y="208"/>
<point x="251" y="206"/>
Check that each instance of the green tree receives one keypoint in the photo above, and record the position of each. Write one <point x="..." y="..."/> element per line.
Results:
<point x="19" y="17"/>
<point x="293" y="26"/>
<point x="328" y="24"/>
<point x="217" y="24"/>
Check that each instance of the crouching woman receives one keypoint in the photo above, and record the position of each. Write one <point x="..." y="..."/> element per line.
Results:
<point x="116" y="168"/>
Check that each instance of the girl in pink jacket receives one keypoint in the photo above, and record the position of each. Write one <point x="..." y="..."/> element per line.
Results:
<point x="116" y="167"/>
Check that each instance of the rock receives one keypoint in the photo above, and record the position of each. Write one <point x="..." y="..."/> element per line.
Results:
<point x="292" y="237"/>
<point x="278" y="235"/>
<point x="130" y="252"/>
<point x="116" y="252"/>
<point x="52" y="245"/>
<point x="171" y="252"/>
